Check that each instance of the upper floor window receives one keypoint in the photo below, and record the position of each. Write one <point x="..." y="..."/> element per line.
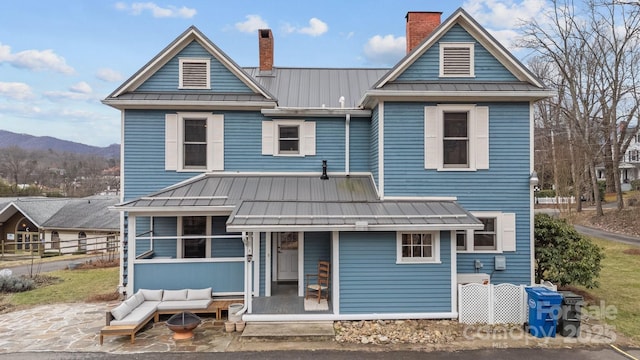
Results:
<point x="194" y="73"/>
<point x="418" y="247"/>
<point x="194" y="141"/>
<point x="456" y="137"/>
<point x="289" y="138"/>
<point x="457" y="60"/>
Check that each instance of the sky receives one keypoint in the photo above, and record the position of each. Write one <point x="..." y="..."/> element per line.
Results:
<point x="59" y="58"/>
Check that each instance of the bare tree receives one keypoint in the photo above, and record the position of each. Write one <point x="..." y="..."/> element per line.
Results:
<point x="18" y="165"/>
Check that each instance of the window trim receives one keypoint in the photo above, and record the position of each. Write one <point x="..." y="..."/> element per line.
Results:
<point x="435" y="259"/>
<point x="184" y="143"/>
<point x="470" y="46"/>
<point x="180" y="242"/>
<point x="279" y="139"/>
<point x="206" y="61"/>
<point x="470" y="245"/>
<point x="441" y="109"/>
<point x="215" y="142"/>
<point x="276" y="137"/>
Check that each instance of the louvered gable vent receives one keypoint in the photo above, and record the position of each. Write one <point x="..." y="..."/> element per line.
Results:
<point x="456" y="60"/>
<point x="194" y="74"/>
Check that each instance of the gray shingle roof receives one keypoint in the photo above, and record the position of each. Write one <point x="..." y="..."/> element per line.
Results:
<point x="86" y="213"/>
<point x="315" y="87"/>
<point x="37" y="209"/>
<point x="228" y="190"/>
<point x="324" y="216"/>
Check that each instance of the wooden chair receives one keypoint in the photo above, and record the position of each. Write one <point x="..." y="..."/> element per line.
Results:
<point x="321" y="284"/>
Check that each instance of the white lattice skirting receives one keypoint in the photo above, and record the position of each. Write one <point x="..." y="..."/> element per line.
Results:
<point x="492" y="304"/>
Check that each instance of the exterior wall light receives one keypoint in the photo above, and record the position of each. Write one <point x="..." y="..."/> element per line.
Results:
<point x="533" y="179"/>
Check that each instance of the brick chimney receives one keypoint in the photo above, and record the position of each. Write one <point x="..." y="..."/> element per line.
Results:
<point x="265" y="46"/>
<point x="419" y="25"/>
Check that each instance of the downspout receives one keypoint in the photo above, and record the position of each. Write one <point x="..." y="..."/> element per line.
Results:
<point x="248" y="253"/>
<point x="347" y="153"/>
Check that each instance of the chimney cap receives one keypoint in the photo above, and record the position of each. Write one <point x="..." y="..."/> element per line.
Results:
<point x="422" y="12"/>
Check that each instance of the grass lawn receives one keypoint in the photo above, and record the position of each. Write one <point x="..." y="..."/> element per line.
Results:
<point x="620" y="286"/>
<point x="73" y="286"/>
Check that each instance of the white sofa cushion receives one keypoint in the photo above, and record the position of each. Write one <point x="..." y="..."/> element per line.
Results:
<point x="151" y="295"/>
<point x="199" y="294"/>
<point x="136" y="316"/>
<point x="120" y="311"/>
<point x="185" y="305"/>
<point x="174" y="295"/>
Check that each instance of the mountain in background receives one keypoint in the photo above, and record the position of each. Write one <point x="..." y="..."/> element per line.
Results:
<point x="30" y="142"/>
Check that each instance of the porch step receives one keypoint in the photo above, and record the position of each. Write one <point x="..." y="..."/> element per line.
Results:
<point x="317" y="330"/>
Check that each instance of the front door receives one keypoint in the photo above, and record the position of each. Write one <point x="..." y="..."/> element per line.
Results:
<point x="287" y="256"/>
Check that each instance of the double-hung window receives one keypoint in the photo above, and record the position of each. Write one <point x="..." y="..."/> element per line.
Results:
<point x="288" y="137"/>
<point x="456" y="137"/>
<point x="497" y="234"/>
<point x="418" y="247"/>
<point x="194" y="141"/>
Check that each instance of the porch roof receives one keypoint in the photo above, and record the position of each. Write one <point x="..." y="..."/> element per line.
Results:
<point x="222" y="192"/>
<point x="351" y="216"/>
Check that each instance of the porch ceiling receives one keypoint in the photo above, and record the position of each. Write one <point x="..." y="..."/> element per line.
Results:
<point x="351" y="216"/>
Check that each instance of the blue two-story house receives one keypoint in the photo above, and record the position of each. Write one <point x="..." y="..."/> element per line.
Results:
<point x="403" y="179"/>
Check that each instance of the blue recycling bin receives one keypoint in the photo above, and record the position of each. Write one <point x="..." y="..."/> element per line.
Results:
<point x="544" y="311"/>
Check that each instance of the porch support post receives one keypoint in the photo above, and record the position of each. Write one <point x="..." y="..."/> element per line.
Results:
<point x="267" y="264"/>
<point x="301" y="284"/>
<point x="335" y="272"/>
<point x="131" y="244"/>
<point x="454" y="271"/>
<point x="256" y="269"/>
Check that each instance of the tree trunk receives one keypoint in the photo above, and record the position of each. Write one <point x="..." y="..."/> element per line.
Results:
<point x="596" y="189"/>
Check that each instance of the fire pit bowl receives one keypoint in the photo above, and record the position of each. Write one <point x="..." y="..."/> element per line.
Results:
<point x="182" y="325"/>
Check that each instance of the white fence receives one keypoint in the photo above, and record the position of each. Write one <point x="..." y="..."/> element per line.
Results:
<point x="552" y="200"/>
<point x="492" y="304"/>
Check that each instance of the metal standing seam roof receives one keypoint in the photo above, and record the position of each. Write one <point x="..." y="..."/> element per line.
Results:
<point x="460" y="86"/>
<point x="221" y="190"/>
<point x="193" y="96"/>
<point x="358" y="216"/>
<point x="317" y="87"/>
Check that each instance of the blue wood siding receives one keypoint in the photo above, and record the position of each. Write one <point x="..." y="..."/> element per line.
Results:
<point x="165" y="226"/>
<point x="244" y="151"/>
<point x="167" y="77"/>
<point x="222" y="277"/>
<point x="504" y="187"/>
<point x="360" y="136"/>
<point x="373" y="144"/>
<point x="372" y="282"/>
<point x="427" y="67"/>
<point x="317" y="246"/>
<point x="225" y="247"/>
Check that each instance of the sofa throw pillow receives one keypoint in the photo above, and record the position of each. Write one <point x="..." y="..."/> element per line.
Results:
<point x="132" y="302"/>
<point x="199" y="294"/>
<point x="120" y="311"/>
<point x="174" y="295"/>
<point x="151" y="295"/>
<point x="139" y="297"/>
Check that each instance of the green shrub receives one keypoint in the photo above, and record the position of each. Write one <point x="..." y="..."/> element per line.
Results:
<point x="549" y="193"/>
<point x="635" y="184"/>
<point x="563" y="256"/>
<point x="14" y="284"/>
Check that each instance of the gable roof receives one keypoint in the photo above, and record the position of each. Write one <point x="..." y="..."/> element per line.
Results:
<point x="188" y="36"/>
<point x="461" y="17"/>
<point x="89" y="213"/>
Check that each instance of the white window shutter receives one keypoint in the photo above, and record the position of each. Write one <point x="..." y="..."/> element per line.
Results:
<point x="171" y="142"/>
<point x="215" y="137"/>
<point x="267" y="137"/>
<point x="431" y="138"/>
<point x="509" y="232"/>
<point x="308" y="145"/>
<point x="482" y="137"/>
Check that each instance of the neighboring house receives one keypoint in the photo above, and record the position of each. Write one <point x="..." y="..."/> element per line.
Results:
<point x="629" y="166"/>
<point x="63" y="225"/>
<point x="428" y="170"/>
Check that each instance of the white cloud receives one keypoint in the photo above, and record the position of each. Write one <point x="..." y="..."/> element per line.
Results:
<point x="252" y="24"/>
<point x="316" y="27"/>
<point x="79" y="91"/>
<point x="38" y="60"/>
<point x="15" y="90"/>
<point x="500" y="17"/>
<point x="81" y="87"/>
<point x="109" y="75"/>
<point x="386" y="50"/>
<point x="157" y="11"/>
